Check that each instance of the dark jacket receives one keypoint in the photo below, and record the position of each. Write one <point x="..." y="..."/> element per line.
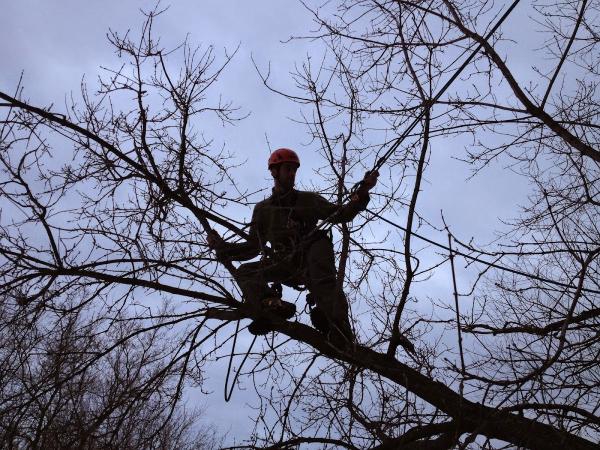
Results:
<point x="283" y="220"/>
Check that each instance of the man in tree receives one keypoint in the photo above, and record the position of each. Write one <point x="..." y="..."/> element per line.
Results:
<point x="299" y="253"/>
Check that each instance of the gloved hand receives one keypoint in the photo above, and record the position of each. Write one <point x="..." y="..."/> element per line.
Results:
<point x="216" y="243"/>
<point x="369" y="181"/>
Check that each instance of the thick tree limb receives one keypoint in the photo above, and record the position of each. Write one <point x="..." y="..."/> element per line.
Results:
<point x="485" y="420"/>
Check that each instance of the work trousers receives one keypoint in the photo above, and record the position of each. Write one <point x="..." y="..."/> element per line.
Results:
<point x="314" y="267"/>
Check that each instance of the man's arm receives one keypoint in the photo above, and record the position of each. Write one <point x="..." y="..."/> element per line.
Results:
<point x="237" y="251"/>
<point x="358" y="202"/>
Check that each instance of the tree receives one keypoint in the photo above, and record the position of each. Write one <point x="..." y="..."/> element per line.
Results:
<point x="73" y="379"/>
<point x="128" y="212"/>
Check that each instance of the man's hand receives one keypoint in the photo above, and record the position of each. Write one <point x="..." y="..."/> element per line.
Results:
<point x="214" y="241"/>
<point x="370" y="180"/>
<point x="367" y="183"/>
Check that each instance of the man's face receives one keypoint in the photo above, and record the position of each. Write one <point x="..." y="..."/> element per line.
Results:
<point x="285" y="175"/>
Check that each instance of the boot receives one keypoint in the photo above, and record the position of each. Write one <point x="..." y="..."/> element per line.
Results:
<point x="272" y="306"/>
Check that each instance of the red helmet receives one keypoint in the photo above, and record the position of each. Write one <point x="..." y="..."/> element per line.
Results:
<point x="282" y="155"/>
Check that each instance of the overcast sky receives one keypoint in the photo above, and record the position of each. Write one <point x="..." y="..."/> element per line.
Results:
<point x="56" y="42"/>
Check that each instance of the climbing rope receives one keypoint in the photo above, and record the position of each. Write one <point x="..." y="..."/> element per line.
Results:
<point x="237" y="373"/>
<point x="457" y="310"/>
